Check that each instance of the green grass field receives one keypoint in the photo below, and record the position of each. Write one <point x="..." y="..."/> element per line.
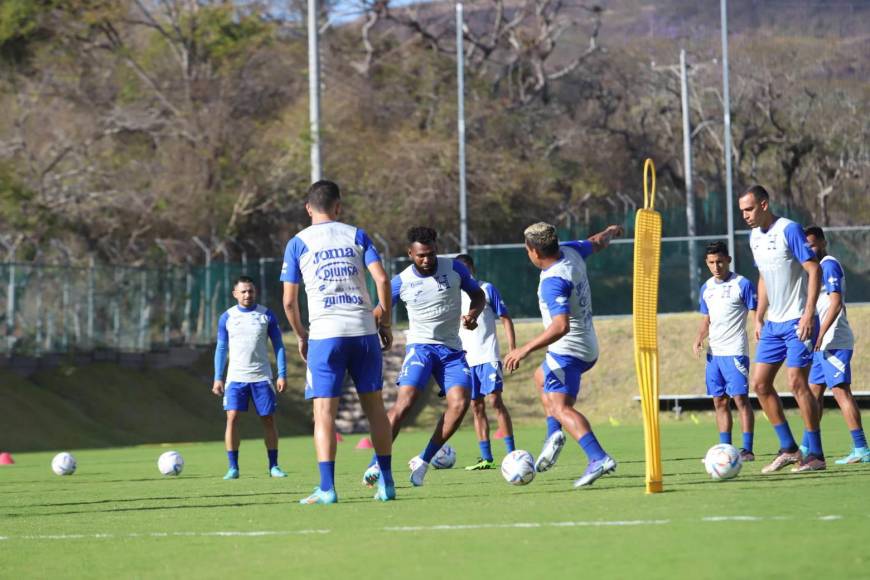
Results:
<point x="117" y="517"/>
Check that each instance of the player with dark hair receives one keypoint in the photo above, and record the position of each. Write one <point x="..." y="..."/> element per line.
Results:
<point x="243" y="333"/>
<point x="726" y="299"/>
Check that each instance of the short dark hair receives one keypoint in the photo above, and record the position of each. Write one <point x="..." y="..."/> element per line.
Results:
<point x="815" y="231"/>
<point x="244" y="280"/>
<point x="758" y="191"/>
<point x="716" y="248"/>
<point x="467" y="260"/>
<point x="542" y="237"/>
<point x="422" y="235"/>
<point x="323" y="195"/>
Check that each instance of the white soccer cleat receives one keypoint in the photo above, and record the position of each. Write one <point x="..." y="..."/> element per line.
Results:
<point x="550" y="453"/>
<point x="372" y="475"/>
<point x="418" y="470"/>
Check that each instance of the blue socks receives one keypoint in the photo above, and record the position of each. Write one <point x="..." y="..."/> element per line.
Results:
<point x="786" y="441"/>
<point x="385" y="462"/>
<point x="374" y="460"/>
<point x="511" y="446"/>
<point x="233" y="457"/>
<point x="814" y="442"/>
<point x="430" y="451"/>
<point x="327" y="475"/>
<point x="747" y="441"/>
<point x="591" y="447"/>
<point x="273" y="457"/>
<point x="858" y="438"/>
<point x="552" y="426"/>
<point x="485" y="450"/>
<point x="725" y="437"/>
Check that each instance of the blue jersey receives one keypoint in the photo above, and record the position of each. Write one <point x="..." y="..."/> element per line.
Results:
<point x="779" y="253"/>
<point x="727" y="303"/>
<point x="243" y="333"/>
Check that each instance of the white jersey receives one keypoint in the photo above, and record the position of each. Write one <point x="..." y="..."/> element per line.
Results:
<point x="247" y="333"/>
<point x="481" y="344"/>
<point x="727" y="303"/>
<point x="564" y="289"/>
<point x="434" y="302"/>
<point x="839" y="335"/>
<point x="779" y="253"/>
<point x="331" y="258"/>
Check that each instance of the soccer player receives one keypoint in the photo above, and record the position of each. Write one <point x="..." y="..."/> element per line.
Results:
<point x="346" y="334"/>
<point x="788" y="288"/>
<point x="726" y="298"/>
<point x="430" y="288"/>
<point x="833" y="350"/>
<point x="243" y="333"/>
<point x="565" y="300"/>
<point x="482" y="355"/>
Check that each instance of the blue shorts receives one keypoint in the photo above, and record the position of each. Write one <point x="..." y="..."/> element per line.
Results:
<point x="486" y="379"/>
<point x="237" y="395"/>
<point x="447" y="365"/>
<point x="562" y="373"/>
<point x="329" y="359"/>
<point x="727" y="375"/>
<point x="831" y="367"/>
<point x="779" y="342"/>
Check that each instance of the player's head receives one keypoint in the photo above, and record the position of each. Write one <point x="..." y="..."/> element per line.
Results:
<point x="755" y="206"/>
<point x="542" y="243"/>
<point x="718" y="260"/>
<point x="423" y="249"/>
<point x="467" y="261"/>
<point x="816" y="240"/>
<point x="244" y="291"/>
<point x="324" y="197"/>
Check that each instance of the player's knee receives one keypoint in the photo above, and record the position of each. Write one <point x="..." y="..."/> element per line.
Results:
<point x="478" y="407"/>
<point x="740" y="401"/>
<point x="232" y="417"/>
<point x="496" y="403"/>
<point x="720" y="403"/>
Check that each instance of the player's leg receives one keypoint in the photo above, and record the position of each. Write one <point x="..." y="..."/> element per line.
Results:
<point x="481" y="428"/>
<point x="236" y="398"/>
<point x="860" y="452"/>
<point x="266" y="402"/>
<point x="735" y="371"/>
<point x="724" y="422"/>
<point x="747" y="424"/>
<point x="799" y="360"/>
<point x="553" y="425"/>
<point x="503" y="417"/>
<point x="716" y="383"/>
<point x="576" y="424"/>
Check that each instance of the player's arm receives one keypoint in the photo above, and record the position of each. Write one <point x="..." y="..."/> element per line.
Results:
<point x="814" y="278"/>
<point x="478" y="298"/>
<point x="500" y="309"/>
<point x="221" y="353"/>
<point x="833" y="280"/>
<point x="508" y="324"/>
<point x="294" y="317"/>
<point x="703" y="332"/>
<point x="602" y="239"/>
<point x="559" y="327"/>
<point x="277" y="339"/>
<point x="383" y="311"/>
<point x="762" y="307"/>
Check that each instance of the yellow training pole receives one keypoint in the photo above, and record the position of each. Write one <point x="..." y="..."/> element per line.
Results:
<point x="647" y="256"/>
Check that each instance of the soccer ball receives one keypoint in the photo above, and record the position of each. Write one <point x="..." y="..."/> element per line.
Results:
<point x="723" y="461"/>
<point x="170" y="463"/>
<point x="445" y="458"/>
<point x="63" y="464"/>
<point x="518" y="467"/>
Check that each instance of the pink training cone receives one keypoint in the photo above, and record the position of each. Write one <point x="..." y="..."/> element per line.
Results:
<point x="6" y="458"/>
<point x="364" y="443"/>
<point x="338" y="438"/>
<point x="498" y="434"/>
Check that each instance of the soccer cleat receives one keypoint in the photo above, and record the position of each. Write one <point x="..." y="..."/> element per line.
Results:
<point x="418" y="470"/>
<point x="385" y="492"/>
<point x="372" y="475"/>
<point x="858" y="455"/>
<point x="810" y="463"/>
<point x="320" y="497"/>
<point x="550" y="453"/>
<point x="746" y="455"/>
<point x="481" y="464"/>
<point x="277" y="472"/>
<point x="783" y="459"/>
<point x="232" y="473"/>
<point x="595" y="470"/>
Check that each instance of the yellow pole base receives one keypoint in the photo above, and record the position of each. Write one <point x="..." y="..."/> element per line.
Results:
<point x="654" y="487"/>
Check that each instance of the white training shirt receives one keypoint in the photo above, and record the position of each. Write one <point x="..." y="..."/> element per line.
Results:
<point x="434" y="302"/>
<point x="247" y="333"/>
<point x="727" y="303"/>
<point x="331" y="258"/>
<point x="779" y="253"/>
<point x="839" y="335"/>
<point x="481" y="344"/>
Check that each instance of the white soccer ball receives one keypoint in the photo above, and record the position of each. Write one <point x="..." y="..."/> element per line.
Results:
<point x="445" y="458"/>
<point x="518" y="467"/>
<point x="63" y="464"/>
<point x="170" y="463"/>
<point x="723" y="461"/>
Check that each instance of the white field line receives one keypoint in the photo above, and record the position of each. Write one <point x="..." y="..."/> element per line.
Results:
<point x="224" y="534"/>
<point x="591" y="523"/>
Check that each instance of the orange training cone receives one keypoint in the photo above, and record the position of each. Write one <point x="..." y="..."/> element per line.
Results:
<point x="364" y="443"/>
<point x="338" y="437"/>
<point x="498" y="434"/>
<point x="6" y="458"/>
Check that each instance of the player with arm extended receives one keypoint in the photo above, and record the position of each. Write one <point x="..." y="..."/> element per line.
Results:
<point x="569" y="336"/>
<point x="834" y="346"/>
<point x="243" y="334"/>
<point x="726" y="299"/>
<point x="788" y="288"/>
<point x="430" y="288"/>
<point x="482" y="355"/>
<point x="346" y="334"/>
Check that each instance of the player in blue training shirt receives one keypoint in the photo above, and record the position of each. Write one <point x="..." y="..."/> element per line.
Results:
<point x="565" y="300"/>
<point x="431" y="289"/>
<point x="726" y="299"/>
<point x="788" y="288"/>
<point x="346" y="334"/>
<point x="482" y="355"/>
<point x="834" y="346"/>
<point x="243" y="333"/>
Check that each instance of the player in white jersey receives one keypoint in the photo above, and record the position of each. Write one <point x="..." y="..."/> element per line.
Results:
<point x="725" y="300"/>
<point x="484" y="360"/>
<point x="565" y="300"/>
<point x="788" y="287"/>
<point x="833" y="353"/>
<point x="345" y="334"/>
<point x="243" y="333"/>
<point x="431" y="288"/>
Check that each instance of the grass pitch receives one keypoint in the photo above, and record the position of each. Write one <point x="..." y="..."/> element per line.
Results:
<point x="117" y="517"/>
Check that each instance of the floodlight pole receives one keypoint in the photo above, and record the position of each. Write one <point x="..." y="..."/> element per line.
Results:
<point x="460" y="98"/>
<point x="729" y="192"/>
<point x="314" y="91"/>
<point x="690" y="195"/>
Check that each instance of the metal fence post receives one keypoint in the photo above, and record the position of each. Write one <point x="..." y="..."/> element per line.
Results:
<point x="90" y="299"/>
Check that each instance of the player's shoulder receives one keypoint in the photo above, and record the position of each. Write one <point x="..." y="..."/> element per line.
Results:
<point x="830" y="260"/>
<point x="707" y="283"/>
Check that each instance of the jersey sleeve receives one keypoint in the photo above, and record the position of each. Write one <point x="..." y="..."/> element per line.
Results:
<point x="222" y="348"/>
<point x="832" y="276"/>
<point x="583" y="247"/>
<point x="370" y="253"/>
<point x="466" y="282"/>
<point x="222" y="334"/>
<point x="277" y="340"/>
<point x="701" y="302"/>
<point x="556" y="293"/>
<point x="797" y="243"/>
<point x="495" y="302"/>
<point x="748" y="294"/>
<point x="290" y="270"/>
<point x="396" y="287"/>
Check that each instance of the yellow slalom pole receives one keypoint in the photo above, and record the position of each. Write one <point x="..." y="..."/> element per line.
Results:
<point x="647" y="257"/>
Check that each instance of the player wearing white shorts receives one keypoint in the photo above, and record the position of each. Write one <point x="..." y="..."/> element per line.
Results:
<point x="833" y="353"/>
<point x="725" y="300"/>
<point x="569" y="337"/>
<point x="345" y="334"/>
<point x="788" y="288"/>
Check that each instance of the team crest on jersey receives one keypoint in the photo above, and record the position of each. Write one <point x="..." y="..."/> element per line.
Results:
<point x="442" y="281"/>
